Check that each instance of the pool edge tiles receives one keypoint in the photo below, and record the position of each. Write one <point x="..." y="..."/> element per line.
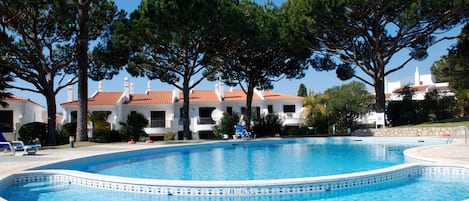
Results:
<point x="366" y="181"/>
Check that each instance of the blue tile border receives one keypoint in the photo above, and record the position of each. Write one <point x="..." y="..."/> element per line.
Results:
<point x="336" y="184"/>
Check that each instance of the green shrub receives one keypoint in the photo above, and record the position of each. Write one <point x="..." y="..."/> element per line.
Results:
<point x="31" y="131"/>
<point x="267" y="125"/>
<point x="61" y="138"/>
<point x="133" y="128"/>
<point x="168" y="136"/>
<point x="296" y="131"/>
<point x="69" y="129"/>
<point x="105" y="136"/>
<point x="227" y="124"/>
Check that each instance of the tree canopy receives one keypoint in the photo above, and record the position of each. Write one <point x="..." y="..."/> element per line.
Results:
<point x="302" y="91"/>
<point x="173" y="41"/>
<point x="39" y="45"/>
<point x="347" y="102"/>
<point x="5" y="78"/>
<point x="453" y="68"/>
<point x="261" y="51"/>
<point x="369" y="34"/>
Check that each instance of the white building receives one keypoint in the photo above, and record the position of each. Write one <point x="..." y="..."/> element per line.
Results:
<point x="163" y="108"/>
<point x="421" y="86"/>
<point x="19" y="111"/>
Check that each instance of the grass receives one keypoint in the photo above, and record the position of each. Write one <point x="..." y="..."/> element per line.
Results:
<point x="462" y="121"/>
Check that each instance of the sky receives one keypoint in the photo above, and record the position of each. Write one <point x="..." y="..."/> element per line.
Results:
<point x="313" y="80"/>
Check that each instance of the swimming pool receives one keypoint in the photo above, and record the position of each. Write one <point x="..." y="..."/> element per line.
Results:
<point x="304" y="188"/>
<point x="251" y="160"/>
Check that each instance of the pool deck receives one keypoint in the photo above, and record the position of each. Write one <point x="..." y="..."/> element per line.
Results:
<point x="456" y="153"/>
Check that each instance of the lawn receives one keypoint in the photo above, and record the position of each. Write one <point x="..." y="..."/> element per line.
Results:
<point x="463" y="121"/>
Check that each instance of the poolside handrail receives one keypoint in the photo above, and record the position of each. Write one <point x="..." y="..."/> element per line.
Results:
<point x="455" y="132"/>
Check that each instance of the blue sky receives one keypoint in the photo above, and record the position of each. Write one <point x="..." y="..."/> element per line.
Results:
<point x="316" y="81"/>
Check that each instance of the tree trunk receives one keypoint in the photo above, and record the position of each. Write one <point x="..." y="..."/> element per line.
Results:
<point x="82" y="57"/>
<point x="380" y="94"/>
<point x="185" y="112"/>
<point x="249" y="97"/>
<point x="51" y="119"/>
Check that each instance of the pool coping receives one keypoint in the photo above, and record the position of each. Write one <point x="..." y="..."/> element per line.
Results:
<point x="323" y="184"/>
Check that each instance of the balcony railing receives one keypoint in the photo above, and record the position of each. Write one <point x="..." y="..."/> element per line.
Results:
<point x="205" y="120"/>
<point x="157" y="123"/>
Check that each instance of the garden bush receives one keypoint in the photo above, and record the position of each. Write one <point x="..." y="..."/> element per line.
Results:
<point x="105" y="136"/>
<point x="267" y="125"/>
<point x="227" y="123"/>
<point x="69" y="129"/>
<point x="133" y="128"/>
<point x="168" y="136"/>
<point x="31" y="131"/>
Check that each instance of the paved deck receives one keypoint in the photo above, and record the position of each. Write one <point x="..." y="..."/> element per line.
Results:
<point x="457" y="153"/>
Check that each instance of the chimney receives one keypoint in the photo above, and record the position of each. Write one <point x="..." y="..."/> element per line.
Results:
<point x="148" y="86"/>
<point x="100" y="86"/>
<point x="132" y="88"/>
<point x="70" y="93"/>
<point x="220" y="90"/>
<point x="190" y="85"/>
<point x="126" y="88"/>
<point x="259" y="93"/>
<point x="417" y="77"/>
<point x="175" y="95"/>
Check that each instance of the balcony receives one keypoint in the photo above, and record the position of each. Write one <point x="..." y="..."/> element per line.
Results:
<point x="202" y="124"/>
<point x="159" y="127"/>
<point x="292" y="119"/>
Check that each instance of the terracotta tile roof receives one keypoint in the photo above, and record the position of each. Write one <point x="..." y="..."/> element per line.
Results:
<point x="165" y="97"/>
<point x="201" y="96"/>
<point x="152" y="97"/>
<point x="100" y="98"/>
<point x="413" y="88"/>
<point x="239" y="95"/>
<point x="269" y="95"/>
<point x="18" y="98"/>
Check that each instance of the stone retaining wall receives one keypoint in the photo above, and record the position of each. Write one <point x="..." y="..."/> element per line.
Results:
<point x="404" y="132"/>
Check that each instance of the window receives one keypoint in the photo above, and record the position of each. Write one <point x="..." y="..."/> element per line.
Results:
<point x="133" y="112"/>
<point x="205" y="115"/>
<point x="270" y="108"/>
<point x="229" y="110"/>
<point x="6" y="120"/>
<point x="158" y="119"/>
<point x="255" y="111"/>
<point x="73" y="116"/>
<point x="181" y="121"/>
<point x="288" y="108"/>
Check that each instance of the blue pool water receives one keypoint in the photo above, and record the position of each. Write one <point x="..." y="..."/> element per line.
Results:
<point x="292" y="158"/>
<point x="295" y="158"/>
<point x="417" y="189"/>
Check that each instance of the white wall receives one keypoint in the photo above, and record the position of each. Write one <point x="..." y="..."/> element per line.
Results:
<point x="29" y="112"/>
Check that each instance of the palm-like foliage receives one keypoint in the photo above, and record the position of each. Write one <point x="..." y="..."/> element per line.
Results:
<point x="133" y="128"/>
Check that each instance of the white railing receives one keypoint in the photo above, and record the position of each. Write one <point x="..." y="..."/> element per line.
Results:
<point x="458" y="130"/>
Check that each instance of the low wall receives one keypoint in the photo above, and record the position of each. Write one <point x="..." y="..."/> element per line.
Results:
<point x="404" y="132"/>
